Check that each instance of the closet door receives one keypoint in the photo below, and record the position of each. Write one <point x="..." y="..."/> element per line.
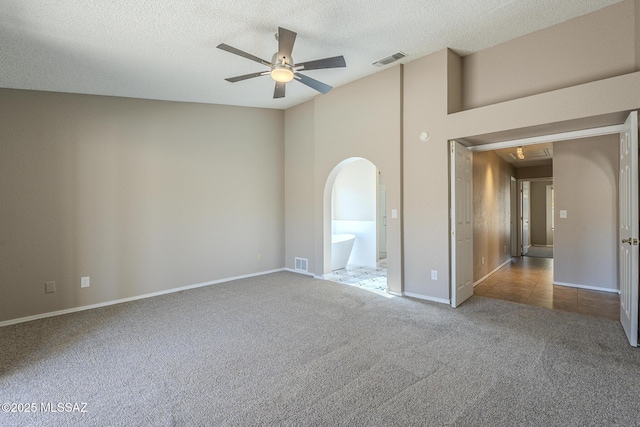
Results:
<point x="461" y="224"/>
<point x="628" y="235"/>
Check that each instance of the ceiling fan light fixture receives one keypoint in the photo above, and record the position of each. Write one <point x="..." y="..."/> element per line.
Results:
<point x="282" y="68"/>
<point x="282" y="73"/>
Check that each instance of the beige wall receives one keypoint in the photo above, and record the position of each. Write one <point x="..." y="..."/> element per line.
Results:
<point x="299" y="185"/>
<point x="585" y="183"/>
<point x="426" y="176"/>
<point x="637" y="35"/>
<point x="142" y="196"/>
<point x="361" y="119"/>
<point x="425" y="171"/>
<point x="588" y="48"/>
<point x="491" y="212"/>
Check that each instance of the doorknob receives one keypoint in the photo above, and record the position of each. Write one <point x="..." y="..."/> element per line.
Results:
<point x="630" y="241"/>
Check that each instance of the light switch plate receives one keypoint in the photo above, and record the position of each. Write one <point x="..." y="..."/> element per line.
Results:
<point x="50" y="287"/>
<point x="563" y="214"/>
<point x="85" y="282"/>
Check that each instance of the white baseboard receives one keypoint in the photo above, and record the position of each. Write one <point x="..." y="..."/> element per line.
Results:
<point x="476" y="283"/>
<point x="424" y="297"/>
<point x="591" y="288"/>
<point x="304" y="273"/>
<point x="118" y="301"/>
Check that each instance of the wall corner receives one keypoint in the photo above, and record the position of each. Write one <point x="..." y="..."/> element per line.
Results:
<point x="454" y="82"/>
<point x="636" y="9"/>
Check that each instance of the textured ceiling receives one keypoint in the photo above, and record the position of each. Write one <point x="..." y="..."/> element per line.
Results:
<point x="166" y="49"/>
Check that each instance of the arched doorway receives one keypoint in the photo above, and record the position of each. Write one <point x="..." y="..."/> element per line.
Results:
<point x="356" y="195"/>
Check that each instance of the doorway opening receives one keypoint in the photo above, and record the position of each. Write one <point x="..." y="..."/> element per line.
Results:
<point x="528" y="276"/>
<point x="536" y="218"/>
<point x="520" y="267"/>
<point x="358" y="226"/>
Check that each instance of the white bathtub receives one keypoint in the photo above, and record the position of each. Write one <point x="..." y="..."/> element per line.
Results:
<point x="341" y="246"/>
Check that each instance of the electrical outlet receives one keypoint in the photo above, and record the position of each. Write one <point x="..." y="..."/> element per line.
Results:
<point x="85" y="282"/>
<point x="49" y="287"/>
<point x="434" y="274"/>
<point x="505" y="249"/>
<point x="482" y="260"/>
<point x="259" y="257"/>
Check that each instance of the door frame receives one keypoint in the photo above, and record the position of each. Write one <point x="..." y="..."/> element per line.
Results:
<point x="557" y="137"/>
<point x="519" y="213"/>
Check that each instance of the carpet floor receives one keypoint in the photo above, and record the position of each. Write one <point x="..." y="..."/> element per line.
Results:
<point x="289" y="350"/>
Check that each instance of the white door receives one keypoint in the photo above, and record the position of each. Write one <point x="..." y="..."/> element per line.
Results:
<point x="513" y="215"/>
<point x="549" y="209"/>
<point x="525" y="212"/>
<point x="461" y="224"/>
<point x="628" y="208"/>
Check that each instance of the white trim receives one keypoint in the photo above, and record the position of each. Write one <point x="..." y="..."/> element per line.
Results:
<point x="118" y="301"/>
<point x="539" y="179"/>
<point x="563" y="136"/>
<point x="476" y="283"/>
<point x="304" y="273"/>
<point x="394" y="293"/>
<point x="591" y="288"/>
<point x="424" y="297"/>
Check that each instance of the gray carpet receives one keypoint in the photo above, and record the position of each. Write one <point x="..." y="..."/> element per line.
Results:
<point x="285" y="349"/>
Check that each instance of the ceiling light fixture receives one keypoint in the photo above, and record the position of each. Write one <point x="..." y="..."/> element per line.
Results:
<point x="520" y="153"/>
<point x="282" y="73"/>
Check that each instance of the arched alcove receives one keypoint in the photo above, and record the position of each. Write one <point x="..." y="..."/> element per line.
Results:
<point x="354" y="205"/>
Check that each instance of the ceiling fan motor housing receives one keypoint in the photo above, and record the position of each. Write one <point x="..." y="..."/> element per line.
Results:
<point x="282" y="68"/>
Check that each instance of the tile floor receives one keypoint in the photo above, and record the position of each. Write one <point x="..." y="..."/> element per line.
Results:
<point x="369" y="278"/>
<point x="529" y="281"/>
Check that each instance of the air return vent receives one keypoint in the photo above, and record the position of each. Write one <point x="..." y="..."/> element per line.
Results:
<point x="389" y="59"/>
<point x="302" y="264"/>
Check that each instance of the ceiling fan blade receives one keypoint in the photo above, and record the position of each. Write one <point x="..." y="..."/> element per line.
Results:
<point x="312" y="83"/>
<point x="242" y="53"/>
<point x="335" y="62"/>
<point x="279" y="90"/>
<point x="246" y="76"/>
<point x="286" y="39"/>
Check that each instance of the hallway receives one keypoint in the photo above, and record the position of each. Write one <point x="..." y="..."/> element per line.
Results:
<point x="529" y="280"/>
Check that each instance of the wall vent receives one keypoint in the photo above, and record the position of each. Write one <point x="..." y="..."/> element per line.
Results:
<point x="389" y="59"/>
<point x="302" y="264"/>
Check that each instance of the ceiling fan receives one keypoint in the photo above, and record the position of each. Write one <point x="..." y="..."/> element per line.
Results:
<point x="282" y="68"/>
